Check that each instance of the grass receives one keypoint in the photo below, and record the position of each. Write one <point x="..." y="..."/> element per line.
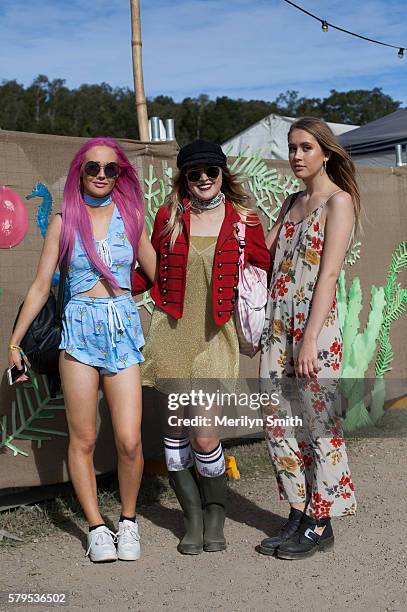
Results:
<point x="252" y="459"/>
<point x="35" y="521"/>
<point x="45" y="518"/>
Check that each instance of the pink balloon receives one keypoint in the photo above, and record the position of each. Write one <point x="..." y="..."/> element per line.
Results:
<point x="13" y="218"/>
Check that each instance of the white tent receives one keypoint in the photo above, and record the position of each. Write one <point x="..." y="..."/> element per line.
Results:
<point x="269" y="137"/>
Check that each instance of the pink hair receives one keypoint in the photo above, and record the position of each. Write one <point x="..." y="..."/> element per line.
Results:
<point x="126" y="194"/>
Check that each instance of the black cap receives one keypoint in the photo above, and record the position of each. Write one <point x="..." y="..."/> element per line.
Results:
<point x="201" y="152"/>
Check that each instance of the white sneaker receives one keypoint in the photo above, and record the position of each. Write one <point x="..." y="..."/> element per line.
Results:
<point x="128" y="541"/>
<point x="101" y="545"/>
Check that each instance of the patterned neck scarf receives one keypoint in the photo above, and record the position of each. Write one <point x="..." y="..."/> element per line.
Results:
<point x="207" y="204"/>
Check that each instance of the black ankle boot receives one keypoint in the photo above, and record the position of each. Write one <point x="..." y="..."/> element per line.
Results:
<point x="305" y="542"/>
<point x="187" y="492"/>
<point x="269" y="546"/>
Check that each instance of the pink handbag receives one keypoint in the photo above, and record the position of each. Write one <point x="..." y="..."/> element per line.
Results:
<point x="250" y="311"/>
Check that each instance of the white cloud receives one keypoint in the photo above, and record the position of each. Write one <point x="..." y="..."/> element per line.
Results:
<point x="250" y="49"/>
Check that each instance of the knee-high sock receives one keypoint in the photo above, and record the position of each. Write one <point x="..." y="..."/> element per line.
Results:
<point x="211" y="463"/>
<point x="178" y="454"/>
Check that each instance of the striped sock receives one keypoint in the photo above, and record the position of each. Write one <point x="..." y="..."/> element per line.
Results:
<point x="178" y="454"/>
<point x="212" y="463"/>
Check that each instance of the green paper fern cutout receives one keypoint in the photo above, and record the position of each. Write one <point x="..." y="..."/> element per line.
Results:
<point x="155" y="194"/>
<point x="32" y="404"/>
<point x="268" y="187"/>
<point x="396" y="305"/>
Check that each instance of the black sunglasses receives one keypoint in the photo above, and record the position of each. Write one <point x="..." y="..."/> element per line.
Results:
<point x="194" y="176"/>
<point x="92" y="168"/>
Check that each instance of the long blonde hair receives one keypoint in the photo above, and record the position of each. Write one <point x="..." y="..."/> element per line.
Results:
<point x="339" y="167"/>
<point x="232" y="187"/>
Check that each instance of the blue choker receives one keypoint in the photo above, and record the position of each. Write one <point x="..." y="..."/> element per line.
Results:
<point x="96" y="202"/>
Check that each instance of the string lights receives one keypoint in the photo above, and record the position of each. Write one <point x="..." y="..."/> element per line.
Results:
<point x="325" y="25"/>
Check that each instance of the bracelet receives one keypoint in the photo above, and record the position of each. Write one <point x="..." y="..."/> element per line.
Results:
<point x="15" y="347"/>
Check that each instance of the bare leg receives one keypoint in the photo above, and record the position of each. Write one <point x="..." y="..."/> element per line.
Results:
<point x="80" y="383"/>
<point x="123" y="395"/>
<point x="204" y="445"/>
<point x="205" y="439"/>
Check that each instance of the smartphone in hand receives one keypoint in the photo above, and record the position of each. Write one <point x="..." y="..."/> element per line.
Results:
<point x="14" y="373"/>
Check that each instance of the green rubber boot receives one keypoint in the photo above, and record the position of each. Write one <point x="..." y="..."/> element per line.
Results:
<point x="214" y="491"/>
<point x="187" y="492"/>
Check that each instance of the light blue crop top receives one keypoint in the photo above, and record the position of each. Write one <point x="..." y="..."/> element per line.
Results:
<point x="115" y="251"/>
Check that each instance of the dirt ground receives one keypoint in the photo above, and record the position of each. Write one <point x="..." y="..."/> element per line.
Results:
<point x="365" y="571"/>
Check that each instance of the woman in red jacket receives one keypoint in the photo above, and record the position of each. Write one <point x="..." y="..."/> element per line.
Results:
<point x="192" y="333"/>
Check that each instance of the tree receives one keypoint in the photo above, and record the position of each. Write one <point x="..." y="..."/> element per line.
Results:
<point x="90" y="110"/>
<point x="358" y="107"/>
<point x="12" y="115"/>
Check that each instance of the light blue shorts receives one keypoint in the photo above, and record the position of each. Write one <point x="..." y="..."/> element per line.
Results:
<point x="103" y="332"/>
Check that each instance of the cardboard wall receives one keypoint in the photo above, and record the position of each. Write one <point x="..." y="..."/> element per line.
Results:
<point x="26" y="159"/>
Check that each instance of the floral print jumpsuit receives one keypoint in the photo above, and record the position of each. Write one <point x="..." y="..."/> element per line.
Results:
<point x="310" y="463"/>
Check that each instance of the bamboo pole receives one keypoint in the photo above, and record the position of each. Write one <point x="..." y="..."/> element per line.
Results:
<point x="136" y="44"/>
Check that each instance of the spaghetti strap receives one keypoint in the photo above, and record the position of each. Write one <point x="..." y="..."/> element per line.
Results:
<point x="331" y="196"/>
<point x="290" y="205"/>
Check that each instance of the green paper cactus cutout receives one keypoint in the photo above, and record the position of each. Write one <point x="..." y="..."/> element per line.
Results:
<point x="396" y="305"/>
<point x="32" y="404"/>
<point x="387" y="305"/>
<point x="270" y="189"/>
<point x="358" y="347"/>
<point x="377" y="399"/>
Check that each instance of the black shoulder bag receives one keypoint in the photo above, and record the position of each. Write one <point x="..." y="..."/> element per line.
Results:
<point x="43" y="337"/>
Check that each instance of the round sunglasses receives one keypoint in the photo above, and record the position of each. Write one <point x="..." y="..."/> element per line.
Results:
<point x="194" y="176"/>
<point x="92" y="168"/>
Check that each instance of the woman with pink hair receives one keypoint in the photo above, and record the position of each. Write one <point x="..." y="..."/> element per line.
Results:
<point x="100" y="235"/>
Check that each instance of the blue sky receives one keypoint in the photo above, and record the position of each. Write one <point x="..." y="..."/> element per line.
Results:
<point x="253" y="49"/>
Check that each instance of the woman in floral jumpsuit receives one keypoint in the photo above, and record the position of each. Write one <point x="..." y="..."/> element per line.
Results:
<point x="302" y="343"/>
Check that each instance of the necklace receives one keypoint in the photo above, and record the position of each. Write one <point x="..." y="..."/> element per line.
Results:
<point x="97" y="202"/>
<point x="207" y="204"/>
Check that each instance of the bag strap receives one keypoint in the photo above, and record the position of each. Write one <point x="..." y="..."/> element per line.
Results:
<point x="241" y="236"/>
<point x="61" y="288"/>
<point x="241" y="239"/>
<point x="292" y="200"/>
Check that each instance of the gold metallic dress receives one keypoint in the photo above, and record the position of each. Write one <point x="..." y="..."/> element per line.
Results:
<point x="194" y="346"/>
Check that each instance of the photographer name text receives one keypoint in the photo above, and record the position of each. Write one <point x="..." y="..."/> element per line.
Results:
<point x="241" y="421"/>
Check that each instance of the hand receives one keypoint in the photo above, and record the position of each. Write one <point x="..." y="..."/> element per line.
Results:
<point x="14" y="359"/>
<point x="306" y="365"/>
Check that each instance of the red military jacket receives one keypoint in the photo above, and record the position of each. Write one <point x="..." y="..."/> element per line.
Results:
<point x="169" y="290"/>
